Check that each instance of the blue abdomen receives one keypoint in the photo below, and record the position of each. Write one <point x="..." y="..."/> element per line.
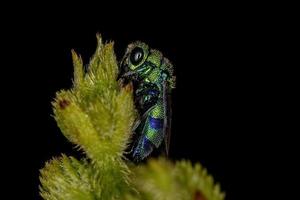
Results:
<point x="143" y="149"/>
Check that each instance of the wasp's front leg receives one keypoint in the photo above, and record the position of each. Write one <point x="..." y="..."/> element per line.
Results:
<point x="146" y="96"/>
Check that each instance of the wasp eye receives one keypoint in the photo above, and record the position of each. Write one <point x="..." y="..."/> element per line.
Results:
<point x="136" y="55"/>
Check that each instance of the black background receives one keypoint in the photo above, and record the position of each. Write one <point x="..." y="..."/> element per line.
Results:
<point x="218" y="105"/>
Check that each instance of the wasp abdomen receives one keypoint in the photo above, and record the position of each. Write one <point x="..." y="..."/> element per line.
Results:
<point x="156" y="123"/>
<point x="143" y="149"/>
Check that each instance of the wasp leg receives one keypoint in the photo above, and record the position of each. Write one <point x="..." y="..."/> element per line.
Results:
<point x="142" y="150"/>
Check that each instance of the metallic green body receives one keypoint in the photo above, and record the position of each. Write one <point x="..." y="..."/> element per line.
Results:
<point x="152" y="75"/>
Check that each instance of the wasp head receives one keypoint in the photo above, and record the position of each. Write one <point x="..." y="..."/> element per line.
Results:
<point x="138" y="61"/>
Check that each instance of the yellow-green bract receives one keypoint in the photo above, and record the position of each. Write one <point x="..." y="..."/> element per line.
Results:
<point x="97" y="115"/>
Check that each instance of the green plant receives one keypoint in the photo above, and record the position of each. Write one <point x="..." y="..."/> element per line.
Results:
<point x="97" y="114"/>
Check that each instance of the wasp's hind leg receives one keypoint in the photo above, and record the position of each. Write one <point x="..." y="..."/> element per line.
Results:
<point x="142" y="150"/>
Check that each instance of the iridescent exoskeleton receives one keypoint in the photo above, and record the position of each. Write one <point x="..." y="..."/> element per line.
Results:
<point x="153" y="79"/>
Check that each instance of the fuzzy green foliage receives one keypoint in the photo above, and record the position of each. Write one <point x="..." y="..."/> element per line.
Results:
<point x="163" y="180"/>
<point x="97" y="115"/>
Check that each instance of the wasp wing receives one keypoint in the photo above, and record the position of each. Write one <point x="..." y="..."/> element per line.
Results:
<point x="167" y="117"/>
<point x="142" y="118"/>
